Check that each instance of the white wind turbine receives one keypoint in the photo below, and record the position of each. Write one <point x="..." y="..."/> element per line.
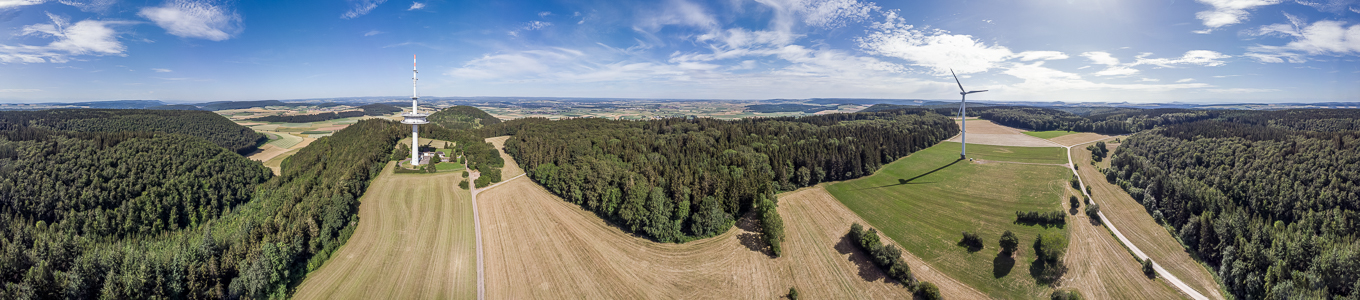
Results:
<point x="963" y="113"/>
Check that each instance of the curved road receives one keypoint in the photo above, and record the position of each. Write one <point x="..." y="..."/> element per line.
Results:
<point x="1138" y="253"/>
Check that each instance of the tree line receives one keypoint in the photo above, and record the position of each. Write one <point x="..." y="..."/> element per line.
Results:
<point x="1269" y="200"/>
<point x="178" y="222"/>
<point x="207" y="125"/>
<point x="462" y="117"/>
<point x="675" y="180"/>
<point x="377" y="109"/>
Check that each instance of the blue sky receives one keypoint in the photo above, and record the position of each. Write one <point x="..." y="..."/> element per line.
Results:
<point x="1065" y="50"/>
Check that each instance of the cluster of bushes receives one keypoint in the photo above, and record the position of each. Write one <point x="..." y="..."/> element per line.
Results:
<point x="1049" y="250"/>
<point x="1148" y="269"/>
<point x="1065" y="295"/>
<point x="889" y="258"/>
<point x="1041" y="218"/>
<point x="1073" y="202"/>
<point x="772" y="226"/>
<point x="1093" y="211"/>
<point x="971" y="240"/>
<point x="1098" y="151"/>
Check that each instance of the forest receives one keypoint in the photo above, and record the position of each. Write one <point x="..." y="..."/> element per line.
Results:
<point x="207" y="125"/>
<point x="462" y="117"/>
<point x="675" y="180"/>
<point x="1268" y="199"/>
<point x="1123" y="121"/>
<point x="137" y="215"/>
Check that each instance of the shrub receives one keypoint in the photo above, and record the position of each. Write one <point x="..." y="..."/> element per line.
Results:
<point x="971" y="240"/>
<point x="927" y="290"/>
<point x="793" y="293"/>
<point x="463" y="184"/>
<point x="888" y="258"/>
<point x="1009" y="241"/>
<point x="1074" y="202"/>
<point x="1065" y="295"/>
<point x="1148" y="269"/>
<point x="1093" y="211"/>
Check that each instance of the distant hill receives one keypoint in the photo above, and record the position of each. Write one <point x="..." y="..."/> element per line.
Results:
<point x="933" y="105"/>
<point x="378" y="109"/>
<point x="788" y="107"/>
<point x="225" y="105"/>
<point x="207" y="125"/>
<point x="175" y="107"/>
<point x="462" y="117"/>
<point x="115" y="104"/>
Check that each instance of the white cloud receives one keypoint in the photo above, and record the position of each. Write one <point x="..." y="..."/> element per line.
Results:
<point x="935" y="49"/>
<point x="85" y="5"/>
<point x="1354" y="10"/>
<point x="1040" y="80"/>
<point x="1325" y="37"/>
<point x="373" y="33"/>
<point x="87" y="37"/>
<point x="362" y="7"/>
<point x="158" y="70"/>
<point x="544" y="14"/>
<point x="1185" y="80"/>
<point x="1044" y="55"/>
<point x="17" y="3"/>
<point x="826" y="13"/>
<point x="416" y="5"/>
<point x="1084" y="67"/>
<point x="1115" y="68"/>
<point x="194" y="19"/>
<point x="1149" y="80"/>
<point x="1333" y="6"/>
<point x="530" y="26"/>
<point x="1228" y="12"/>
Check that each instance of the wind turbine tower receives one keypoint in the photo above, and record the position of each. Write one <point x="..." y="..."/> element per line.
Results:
<point x="415" y="118"/>
<point x="963" y="113"/>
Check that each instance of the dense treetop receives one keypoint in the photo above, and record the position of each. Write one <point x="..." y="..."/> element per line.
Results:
<point x="207" y="125"/>
<point x="1269" y="199"/>
<point x="680" y="179"/>
<point x="462" y="117"/>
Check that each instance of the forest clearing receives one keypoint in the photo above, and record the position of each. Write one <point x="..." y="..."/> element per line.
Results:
<point x="414" y="240"/>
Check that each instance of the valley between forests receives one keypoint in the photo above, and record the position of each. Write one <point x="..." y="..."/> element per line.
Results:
<point x="681" y="208"/>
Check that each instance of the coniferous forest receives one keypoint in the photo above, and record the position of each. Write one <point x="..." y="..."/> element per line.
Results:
<point x="137" y="215"/>
<point x="462" y="117"/>
<point x="1269" y="200"/>
<point x="675" y="180"/>
<point x="203" y="124"/>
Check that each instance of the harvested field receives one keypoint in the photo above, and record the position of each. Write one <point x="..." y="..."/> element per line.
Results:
<point x="265" y="153"/>
<point x="1047" y="134"/>
<point x="414" y="240"/>
<point x="1101" y="268"/>
<point x="285" y="140"/>
<point x="538" y="246"/>
<point x="1079" y="138"/>
<point x="924" y="201"/>
<point x="1139" y="227"/>
<point x="988" y="133"/>
<point x="511" y="168"/>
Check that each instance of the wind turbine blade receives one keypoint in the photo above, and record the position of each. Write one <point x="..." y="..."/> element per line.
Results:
<point x="956" y="80"/>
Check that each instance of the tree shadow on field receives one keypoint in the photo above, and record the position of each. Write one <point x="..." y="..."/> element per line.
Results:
<point x="909" y="180"/>
<point x="751" y="236"/>
<point x="1002" y="264"/>
<point x="867" y="270"/>
<point x="1047" y="273"/>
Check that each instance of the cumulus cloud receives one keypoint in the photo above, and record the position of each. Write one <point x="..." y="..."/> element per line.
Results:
<point x="1228" y="12"/>
<point x="827" y="13"/>
<point x="933" y="48"/>
<point x="362" y="7"/>
<point x="87" y="37"/>
<point x="194" y="19"/>
<point x="416" y="5"/>
<point x="1041" y="80"/>
<point x="1325" y="37"/>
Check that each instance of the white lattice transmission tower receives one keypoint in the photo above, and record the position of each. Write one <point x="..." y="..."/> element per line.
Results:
<point x="415" y="118"/>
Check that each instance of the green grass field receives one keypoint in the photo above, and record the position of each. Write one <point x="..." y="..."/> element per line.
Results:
<point x="1048" y="134"/>
<point x="925" y="200"/>
<point x="448" y="166"/>
<point x="284" y="140"/>
<point x="1038" y="155"/>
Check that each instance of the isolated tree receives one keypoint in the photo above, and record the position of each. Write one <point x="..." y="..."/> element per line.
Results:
<point x="1072" y="200"/>
<point x="1148" y="269"/>
<point x="927" y="290"/>
<point x="1008" y="242"/>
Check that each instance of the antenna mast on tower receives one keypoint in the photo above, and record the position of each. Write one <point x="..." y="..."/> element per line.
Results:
<point x="415" y="118"/>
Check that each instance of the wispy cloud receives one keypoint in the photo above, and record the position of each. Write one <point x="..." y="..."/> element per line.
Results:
<point x="542" y="14"/>
<point x="1242" y="90"/>
<point x="87" y="37"/>
<point x="373" y="33"/>
<point x="530" y="26"/>
<point x="158" y="70"/>
<point x="1040" y="55"/>
<point x="416" y="6"/>
<point x="1228" y="12"/>
<point x="1325" y="37"/>
<point x="17" y="3"/>
<point x="1041" y="80"/>
<point x="194" y="19"/>
<point x="1150" y="80"/>
<point x="1115" y="68"/>
<point x="1185" y="80"/>
<point x="362" y="7"/>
